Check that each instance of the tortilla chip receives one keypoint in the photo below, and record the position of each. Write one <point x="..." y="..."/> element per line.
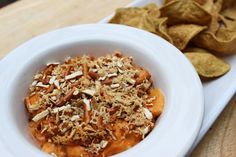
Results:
<point x="208" y="65"/>
<point x="230" y="11"/>
<point x="194" y="49"/>
<point x="161" y="29"/>
<point x="218" y="4"/>
<point x="153" y="10"/>
<point x="143" y="18"/>
<point x="167" y="1"/>
<point x="215" y="20"/>
<point x="185" y="11"/>
<point x="134" y="17"/>
<point x="228" y="4"/>
<point x="182" y="34"/>
<point x="229" y="24"/>
<point x="206" y="4"/>
<point x="146" y="18"/>
<point x="202" y="2"/>
<point x="223" y="42"/>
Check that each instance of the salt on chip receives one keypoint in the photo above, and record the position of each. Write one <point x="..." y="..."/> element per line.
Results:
<point x="185" y="11"/>
<point x="223" y="42"/>
<point x="183" y="33"/>
<point x="207" y="65"/>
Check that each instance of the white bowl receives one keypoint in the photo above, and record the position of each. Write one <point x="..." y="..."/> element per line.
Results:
<point x="175" y="130"/>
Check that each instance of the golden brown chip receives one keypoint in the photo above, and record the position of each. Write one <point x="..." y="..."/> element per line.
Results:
<point x="213" y="7"/>
<point x="185" y="11"/>
<point x="215" y="20"/>
<point x="217" y="6"/>
<point x="146" y="18"/>
<point x="143" y="18"/>
<point x="135" y="17"/>
<point x="223" y="42"/>
<point x="206" y="4"/>
<point x="182" y="34"/>
<point x="228" y="4"/>
<point x="203" y="2"/>
<point x="209" y="24"/>
<point x="194" y="49"/>
<point x="161" y="29"/>
<point x="167" y="1"/>
<point x="228" y="15"/>
<point x="229" y="24"/>
<point x="230" y="11"/>
<point x="208" y="65"/>
<point x="153" y="10"/>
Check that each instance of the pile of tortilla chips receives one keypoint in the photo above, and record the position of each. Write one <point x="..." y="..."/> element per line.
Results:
<point x="199" y="28"/>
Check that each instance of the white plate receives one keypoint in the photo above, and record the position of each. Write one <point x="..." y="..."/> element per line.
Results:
<point x="177" y="127"/>
<point x="217" y="93"/>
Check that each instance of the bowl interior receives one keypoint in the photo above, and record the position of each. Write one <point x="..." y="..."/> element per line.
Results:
<point x="23" y="77"/>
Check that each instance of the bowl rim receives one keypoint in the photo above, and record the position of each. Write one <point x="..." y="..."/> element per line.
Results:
<point x="125" y="31"/>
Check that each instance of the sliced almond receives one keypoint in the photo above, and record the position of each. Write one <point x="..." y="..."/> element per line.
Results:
<point x="74" y="75"/>
<point x="87" y="104"/>
<point x="56" y="83"/>
<point x="54" y="98"/>
<point x="53" y="154"/>
<point x="103" y="143"/>
<point x="40" y="115"/>
<point x="34" y="83"/>
<point x="116" y="85"/>
<point x="147" y="113"/>
<point x="89" y="91"/>
<point x="131" y="81"/>
<point x="102" y="78"/>
<point x="40" y="84"/>
<point x="58" y="109"/>
<point x="119" y="64"/>
<point x="120" y="71"/>
<point x="151" y="99"/>
<point x="94" y="70"/>
<point x="75" y="117"/>
<point x="112" y="75"/>
<point x="52" y="79"/>
<point x="53" y="63"/>
<point x="76" y="92"/>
